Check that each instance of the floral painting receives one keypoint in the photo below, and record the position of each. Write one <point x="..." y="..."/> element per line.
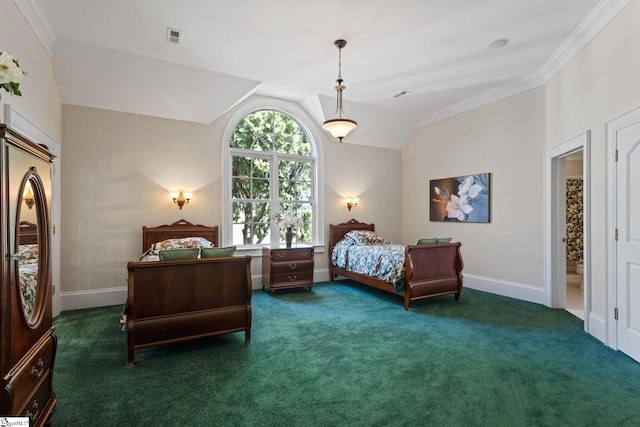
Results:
<point x="460" y="199"/>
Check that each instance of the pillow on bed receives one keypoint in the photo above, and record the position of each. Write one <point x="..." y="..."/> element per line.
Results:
<point x="427" y="241"/>
<point x="217" y="252"/>
<point x="444" y="239"/>
<point x="167" y="254"/>
<point x="365" y="237"/>
<point x="184" y="243"/>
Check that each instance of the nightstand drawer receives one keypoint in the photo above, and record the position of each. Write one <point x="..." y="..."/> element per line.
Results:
<point x="292" y="279"/>
<point x="292" y="266"/>
<point x="291" y="254"/>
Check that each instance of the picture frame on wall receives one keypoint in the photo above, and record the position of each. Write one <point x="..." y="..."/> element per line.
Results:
<point x="463" y="198"/>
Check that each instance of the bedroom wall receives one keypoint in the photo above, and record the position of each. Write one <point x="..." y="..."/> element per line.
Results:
<point x="597" y="85"/>
<point x="509" y="138"/>
<point x="505" y="138"/>
<point x="40" y="101"/>
<point x="119" y="167"/>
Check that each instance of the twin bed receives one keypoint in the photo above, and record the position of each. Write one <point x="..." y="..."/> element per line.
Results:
<point x="27" y="261"/>
<point x="413" y="271"/>
<point x="181" y="299"/>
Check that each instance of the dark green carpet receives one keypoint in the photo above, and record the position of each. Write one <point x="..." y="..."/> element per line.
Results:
<point x="345" y="355"/>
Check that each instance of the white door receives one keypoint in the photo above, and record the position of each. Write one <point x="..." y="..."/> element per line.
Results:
<point x="627" y="267"/>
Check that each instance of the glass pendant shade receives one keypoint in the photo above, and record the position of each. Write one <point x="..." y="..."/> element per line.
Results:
<point x="339" y="128"/>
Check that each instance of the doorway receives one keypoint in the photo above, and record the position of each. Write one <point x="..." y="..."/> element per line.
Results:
<point x="574" y="232"/>
<point x="560" y="290"/>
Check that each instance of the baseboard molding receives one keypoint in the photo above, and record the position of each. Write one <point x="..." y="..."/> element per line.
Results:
<point x="94" y="298"/>
<point x="114" y="296"/>
<point x="504" y="288"/>
<point x="597" y="327"/>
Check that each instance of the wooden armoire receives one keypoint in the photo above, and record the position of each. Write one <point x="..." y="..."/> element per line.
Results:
<point x="28" y="342"/>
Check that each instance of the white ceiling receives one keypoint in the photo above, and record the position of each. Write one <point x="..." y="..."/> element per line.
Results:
<point x="115" y="55"/>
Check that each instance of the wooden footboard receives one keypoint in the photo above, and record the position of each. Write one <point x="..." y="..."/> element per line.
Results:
<point x="432" y="270"/>
<point x="172" y="301"/>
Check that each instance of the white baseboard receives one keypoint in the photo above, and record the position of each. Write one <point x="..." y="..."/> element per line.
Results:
<point x="597" y="327"/>
<point x="95" y="298"/>
<point x="504" y="288"/>
<point x="115" y="296"/>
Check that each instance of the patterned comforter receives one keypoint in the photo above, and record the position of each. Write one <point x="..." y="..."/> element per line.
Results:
<point x="28" y="276"/>
<point x="384" y="261"/>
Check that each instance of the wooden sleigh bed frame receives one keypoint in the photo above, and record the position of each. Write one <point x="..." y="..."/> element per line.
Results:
<point x="177" y="300"/>
<point x="431" y="270"/>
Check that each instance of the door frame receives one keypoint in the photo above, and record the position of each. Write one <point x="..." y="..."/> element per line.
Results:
<point x="554" y="228"/>
<point x="611" y="129"/>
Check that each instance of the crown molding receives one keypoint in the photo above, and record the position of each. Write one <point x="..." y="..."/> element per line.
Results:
<point x="503" y="91"/>
<point x="37" y="20"/>
<point x="599" y="17"/>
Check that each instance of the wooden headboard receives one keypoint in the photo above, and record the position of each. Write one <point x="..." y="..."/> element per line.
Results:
<point x="28" y="233"/>
<point x="337" y="232"/>
<point x="177" y="230"/>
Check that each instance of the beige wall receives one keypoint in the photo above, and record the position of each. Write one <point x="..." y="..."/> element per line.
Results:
<point x="599" y="84"/>
<point x="118" y="169"/>
<point x="40" y="101"/>
<point x="506" y="139"/>
<point x="509" y="138"/>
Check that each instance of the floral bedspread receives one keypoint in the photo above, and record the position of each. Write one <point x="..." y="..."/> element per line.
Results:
<point x="383" y="261"/>
<point x="28" y="276"/>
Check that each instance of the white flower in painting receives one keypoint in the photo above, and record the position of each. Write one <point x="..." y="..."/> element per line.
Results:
<point x="469" y="188"/>
<point x="458" y="207"/>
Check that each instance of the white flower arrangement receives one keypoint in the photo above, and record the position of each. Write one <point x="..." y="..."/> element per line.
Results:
<point x="288" y="220"/>
<point x="10" y="74"/>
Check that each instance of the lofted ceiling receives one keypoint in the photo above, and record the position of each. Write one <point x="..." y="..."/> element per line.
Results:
<point x="115" y="55"/>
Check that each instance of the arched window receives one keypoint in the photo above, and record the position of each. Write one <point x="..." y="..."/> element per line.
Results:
<point x="272" y="169"/>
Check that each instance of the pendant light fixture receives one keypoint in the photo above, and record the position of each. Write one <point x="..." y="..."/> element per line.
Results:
<point x="339" y="125"/>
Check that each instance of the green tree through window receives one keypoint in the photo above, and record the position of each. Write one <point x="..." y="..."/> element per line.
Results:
<point x="272" y="172"/>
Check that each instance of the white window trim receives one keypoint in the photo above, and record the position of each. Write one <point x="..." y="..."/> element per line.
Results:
<point x="304" y="120"/>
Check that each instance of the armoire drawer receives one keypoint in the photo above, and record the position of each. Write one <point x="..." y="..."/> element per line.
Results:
<point x="38" y="405"/>
<point x="33" y="371"/>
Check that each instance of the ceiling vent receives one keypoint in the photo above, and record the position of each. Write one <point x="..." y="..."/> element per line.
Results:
<point x="173" y="35"/>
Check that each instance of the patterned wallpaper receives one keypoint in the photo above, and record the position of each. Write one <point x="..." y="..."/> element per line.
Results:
<point x="574" y="219"/>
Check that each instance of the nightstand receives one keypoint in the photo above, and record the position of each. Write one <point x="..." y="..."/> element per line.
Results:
<point x="284" y="267"/>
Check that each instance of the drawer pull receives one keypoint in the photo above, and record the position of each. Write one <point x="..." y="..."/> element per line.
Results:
<point x="33" y="415"/>
<point x="280" y="254"/>
<point x="292" y="278"/>
<point x="36" y="371"/>
<point x="293" y="266"/>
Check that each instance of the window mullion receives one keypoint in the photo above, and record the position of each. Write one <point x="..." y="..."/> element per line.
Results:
<point x="275" y="199"/>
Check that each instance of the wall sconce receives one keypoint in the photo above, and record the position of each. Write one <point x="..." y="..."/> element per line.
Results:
<point x="180" y="198"/>
<point x="352" y="202"/>
<point x="28" y="197"/>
